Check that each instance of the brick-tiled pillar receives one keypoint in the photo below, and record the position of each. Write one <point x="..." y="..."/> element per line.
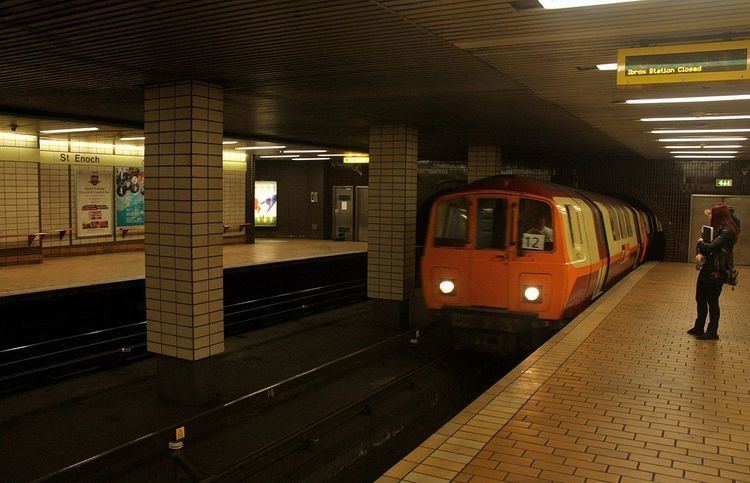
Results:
<point x="184" y="269"/>
<point x="392" y="221"/>
<point x="250" y="200"/>
<point x="484" y="161"/>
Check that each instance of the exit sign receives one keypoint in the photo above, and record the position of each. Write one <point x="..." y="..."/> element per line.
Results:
<point x="723" y="183"/>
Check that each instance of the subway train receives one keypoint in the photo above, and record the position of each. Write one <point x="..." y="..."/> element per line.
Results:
<point x="508" y="254"/>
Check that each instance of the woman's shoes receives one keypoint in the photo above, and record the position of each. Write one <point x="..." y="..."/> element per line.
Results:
<point x="708" y="337"/>
<point x="695" y="331"/>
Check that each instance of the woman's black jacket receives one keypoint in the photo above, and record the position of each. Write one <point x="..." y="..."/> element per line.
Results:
<point x="719" y="256"/>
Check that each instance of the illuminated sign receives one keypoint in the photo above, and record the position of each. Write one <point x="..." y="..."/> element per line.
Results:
<point x="356" y="159"/>
<point x="265" y="203"/>
<point x="88" y="159"/>
<point x="714" y="61"/>
<point x="724" y="183"/>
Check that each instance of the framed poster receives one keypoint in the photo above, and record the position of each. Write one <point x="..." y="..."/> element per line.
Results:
<point x="265" y="203"/>
<point x="129" y="189"/>
<point x="94" y="202"/>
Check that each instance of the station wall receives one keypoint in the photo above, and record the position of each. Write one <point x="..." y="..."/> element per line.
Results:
<point x="39" y="197"/>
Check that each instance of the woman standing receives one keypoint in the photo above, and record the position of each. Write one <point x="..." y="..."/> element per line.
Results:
<point x="715" y="259"/>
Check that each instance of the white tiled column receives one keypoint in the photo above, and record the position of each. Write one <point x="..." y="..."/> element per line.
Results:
<point x="184" y="269"/>
<point x="484" y="161"/>
<point x="392" y="220"/>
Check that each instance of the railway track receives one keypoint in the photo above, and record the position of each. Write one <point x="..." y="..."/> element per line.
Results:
<point x="341" y="409"/>
<point x="45" y="361"/>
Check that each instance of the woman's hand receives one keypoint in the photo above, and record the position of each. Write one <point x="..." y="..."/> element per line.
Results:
<point x="698" y="258"/>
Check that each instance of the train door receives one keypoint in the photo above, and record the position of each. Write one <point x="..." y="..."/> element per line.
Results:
<point x="343" y="213"/>
<point x="491" y="255"/>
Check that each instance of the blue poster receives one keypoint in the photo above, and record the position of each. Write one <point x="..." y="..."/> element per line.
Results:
<point x="129" y="190"/>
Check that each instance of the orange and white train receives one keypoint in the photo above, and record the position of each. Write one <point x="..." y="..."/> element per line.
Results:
<point x="514" y="247"/>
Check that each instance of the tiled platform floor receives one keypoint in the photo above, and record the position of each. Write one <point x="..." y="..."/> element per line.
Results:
<point x="621" y="394"/>
<point x="67" y="272"/>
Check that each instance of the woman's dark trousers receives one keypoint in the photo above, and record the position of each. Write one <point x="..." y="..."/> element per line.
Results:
<point x="707" y="296"/>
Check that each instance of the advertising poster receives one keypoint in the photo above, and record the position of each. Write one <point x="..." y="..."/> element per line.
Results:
<point x="129" y="197"/>
<point x="265" y="203"/>
<point x="94" y="202"/>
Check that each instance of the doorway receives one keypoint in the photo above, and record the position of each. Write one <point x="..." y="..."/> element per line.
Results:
<point x="741" y="204"/>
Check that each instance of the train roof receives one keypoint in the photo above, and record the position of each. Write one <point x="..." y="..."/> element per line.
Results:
<point x="518" y="184"/>
<point x="532" y="186"/>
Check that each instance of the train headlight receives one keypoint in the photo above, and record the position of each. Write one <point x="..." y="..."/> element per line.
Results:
<point x="532" y="294"/>
<point x="447" y="287"/>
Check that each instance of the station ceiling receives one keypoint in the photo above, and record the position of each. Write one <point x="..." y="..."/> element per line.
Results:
<point x="321" y="72"/>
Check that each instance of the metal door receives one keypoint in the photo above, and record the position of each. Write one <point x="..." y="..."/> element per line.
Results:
<point x="343" y="213"/>
<point x="698" y="218"/>
<point x="362" y="205"/>
<point x="491" y="254"/>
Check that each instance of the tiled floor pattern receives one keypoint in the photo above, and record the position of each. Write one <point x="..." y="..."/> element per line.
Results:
<point x="620" y="394"/>
<point x="65" y="272"/>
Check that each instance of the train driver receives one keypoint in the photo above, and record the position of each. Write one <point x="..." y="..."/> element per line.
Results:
<point x="541" y="228"/>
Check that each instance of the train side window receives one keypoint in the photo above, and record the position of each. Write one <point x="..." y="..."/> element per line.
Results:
<point x="535" y="222"/>
<point x="576" y="235"/>
<point x="452" y="227"/>
<point x="491" y="223"/>
<point x="613" y="223"/>
<point x="621" y="221"/>
<point x="625" y="221"/>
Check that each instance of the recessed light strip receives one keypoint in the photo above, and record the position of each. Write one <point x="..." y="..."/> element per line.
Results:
<point x="704" y="152"/>
<point x="229" y="142"/>
<point x="704" y="157"/>
<point x="259" y="147"/>
<point x="134" y="138"/>
<point x="612" y="66"/>
<point x="75" y="129"/>
<point x="696" y="118"/>
<point x="726" y="146"/>
<point x="695" y="140"/>
<point x="305" y="151"/>
<point x="677" y="100"/>
<point x="311" y="159"/>
<point x="555" y="4"/>
<point x="697" y="131"/>
<point x="281" y="156"/>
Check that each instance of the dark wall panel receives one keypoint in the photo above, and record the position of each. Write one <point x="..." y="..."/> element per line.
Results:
<point x="298" y="217"/>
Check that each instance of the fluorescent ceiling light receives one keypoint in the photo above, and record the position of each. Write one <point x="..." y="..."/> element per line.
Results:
<point x="305" y="151"/>
<point x="677" y="100"/>
<point x="705" y="157"/>
<point x="310" y="159"/>
<point x="229" y="142"/>
<point x="726" y="146"/>
<point x="281" y="156"/>
<point x="554" y="4"/>
<point x="697" y="131"/>
<point x="695" y="118"/>
<point x="683" y="140"/>
<point x="698" y="146"/>
<point x="704" y="152"/>
<point x="260" y="147"/>
<point x="75" y="129"/>
<point x="135" y="138"/>
<point x="607" y="66"/>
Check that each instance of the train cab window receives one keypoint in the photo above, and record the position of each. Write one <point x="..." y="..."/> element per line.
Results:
<point x="614" y="223"/>
<point x="491" y="223"/>
<point x="535" y="222"/>
<point x="452" y="224"/>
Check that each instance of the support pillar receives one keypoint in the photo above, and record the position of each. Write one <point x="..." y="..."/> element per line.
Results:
<point x="392" y="216"/>
<point x="184" y="241"/>
<point x="484" y="161"/>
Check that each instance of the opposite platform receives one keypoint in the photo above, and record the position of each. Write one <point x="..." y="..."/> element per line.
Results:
<point x="70" y="272"/>
<point x="622" y="393"/>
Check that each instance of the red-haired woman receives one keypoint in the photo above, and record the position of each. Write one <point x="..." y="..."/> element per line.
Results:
<point x="716" y="258"/>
